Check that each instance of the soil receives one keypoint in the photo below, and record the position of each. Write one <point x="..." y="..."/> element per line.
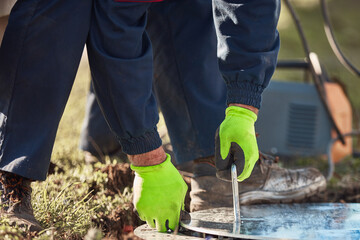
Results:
<point x="120" y="223"/>
<point x="120" y="176"/>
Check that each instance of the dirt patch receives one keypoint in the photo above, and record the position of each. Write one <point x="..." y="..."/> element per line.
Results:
<point x="120" y="176"/>
<point x="120" y="223"/>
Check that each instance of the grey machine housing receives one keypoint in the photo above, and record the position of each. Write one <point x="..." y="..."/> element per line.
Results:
<point x="292" y="120"/>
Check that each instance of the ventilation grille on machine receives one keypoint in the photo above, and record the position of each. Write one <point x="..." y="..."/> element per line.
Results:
<point x="301" y="126"/>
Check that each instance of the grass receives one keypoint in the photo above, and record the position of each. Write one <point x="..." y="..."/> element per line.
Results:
<point x="67" y="204"/>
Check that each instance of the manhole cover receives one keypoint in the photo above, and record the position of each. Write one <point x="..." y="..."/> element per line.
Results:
<point x="280" y="221"/>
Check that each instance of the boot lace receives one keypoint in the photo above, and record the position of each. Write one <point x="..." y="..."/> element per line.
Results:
<point x="14" y="188"/>
<point x="266" y="161"/>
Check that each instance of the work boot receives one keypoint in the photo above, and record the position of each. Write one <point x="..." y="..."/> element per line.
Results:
<point x="268" y="183"/>
<point x="16" y="201"/>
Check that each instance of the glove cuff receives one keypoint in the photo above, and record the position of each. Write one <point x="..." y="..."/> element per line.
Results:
<point x="240" y="112"/>
<point x="146" y="169"/>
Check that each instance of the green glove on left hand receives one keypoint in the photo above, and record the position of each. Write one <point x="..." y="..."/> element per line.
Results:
<point x="159" y="193"/>
<point x="236" y="140"/>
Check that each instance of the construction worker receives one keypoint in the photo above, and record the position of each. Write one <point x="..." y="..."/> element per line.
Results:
<point x="192" y="97"/>
<point x="52" y="33"/>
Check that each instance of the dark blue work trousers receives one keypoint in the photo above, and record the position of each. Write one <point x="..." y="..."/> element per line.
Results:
<point x="39" y="57"/>
<point x="187" y="82"/>
<point x="42" y="48"/>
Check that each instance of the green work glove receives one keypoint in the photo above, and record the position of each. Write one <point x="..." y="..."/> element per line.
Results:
<point x="236" y="143"/>
<point x="159" y="194"/>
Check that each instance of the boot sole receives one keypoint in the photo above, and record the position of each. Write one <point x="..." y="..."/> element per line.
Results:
<point x="256" y="197"/>
<point x="26" y="222"/>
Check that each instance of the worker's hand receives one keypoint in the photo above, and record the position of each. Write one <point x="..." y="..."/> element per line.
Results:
<point x="159" y="193"/>
<point x="236" y="142"/>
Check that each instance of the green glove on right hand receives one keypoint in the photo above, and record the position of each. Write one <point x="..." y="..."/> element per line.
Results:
<point x="236" y="139"/>
<point x="159" y="194"/>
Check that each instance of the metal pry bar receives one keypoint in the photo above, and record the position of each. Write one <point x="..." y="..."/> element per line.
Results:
<point x="235" y="191"/>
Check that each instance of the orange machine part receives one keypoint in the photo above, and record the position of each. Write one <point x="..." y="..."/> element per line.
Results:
<point x="341" y="110"/>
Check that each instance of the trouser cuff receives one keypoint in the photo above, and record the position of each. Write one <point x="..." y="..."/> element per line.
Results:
<point x="138" y="145"/>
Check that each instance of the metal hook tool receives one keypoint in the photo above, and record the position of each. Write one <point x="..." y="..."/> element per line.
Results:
<point x="235" y="191"/>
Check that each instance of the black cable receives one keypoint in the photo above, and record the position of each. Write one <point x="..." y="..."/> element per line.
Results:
<point x="298" y="27"/>
<point x="334" y="45"/>
<point x="316" y="71"/>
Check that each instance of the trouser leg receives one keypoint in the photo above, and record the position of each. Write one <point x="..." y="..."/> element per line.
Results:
<point x="96" y="136"/>
<point x="247" y="49"/>
<point x="187" y="80"/>
<point x="188" y="84"/>
<point x="120" y="57"/>
<point x="39" y="56"/>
